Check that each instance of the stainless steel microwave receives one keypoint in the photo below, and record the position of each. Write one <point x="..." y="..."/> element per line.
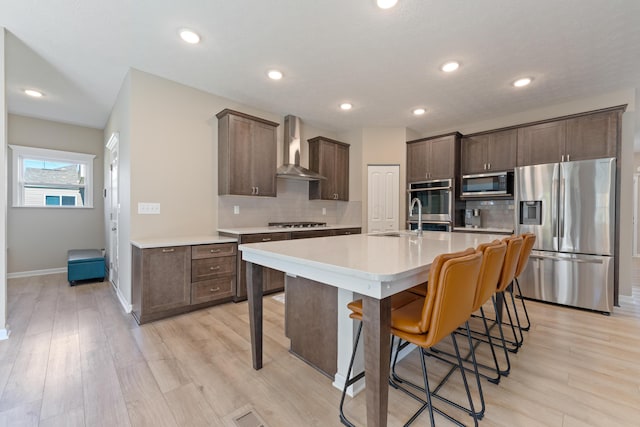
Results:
<point x="487" y="185"/>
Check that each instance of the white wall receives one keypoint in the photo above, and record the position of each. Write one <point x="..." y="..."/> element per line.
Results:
<point x="120" y="121"/>
<point x="39" y="238"/>
<point x="3" y="191"/>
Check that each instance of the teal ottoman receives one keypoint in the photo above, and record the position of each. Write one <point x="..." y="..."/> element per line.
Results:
<point x="84" y="264"/>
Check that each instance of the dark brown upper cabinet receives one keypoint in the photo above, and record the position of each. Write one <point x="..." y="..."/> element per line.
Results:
<point x="489" y="152"/>
<point x="584" y="137"/>
<point x="433" y="158"/>
<point x="247" y="154"/>
<point x="329" y="158"/>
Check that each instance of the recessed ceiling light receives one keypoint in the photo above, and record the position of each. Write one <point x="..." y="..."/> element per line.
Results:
<point x="189" y="36"/>
<point x="274" y="74"/>
<point x="419" y="111"/>
<point x="386" y="4"/>
<point x="450" y="66"/>
<point x="346" y="106"/>
<point x="34" y="93"/>
<point x="522" y="82"/>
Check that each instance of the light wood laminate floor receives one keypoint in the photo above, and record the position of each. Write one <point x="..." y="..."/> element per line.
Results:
<point x="75" y="358"/>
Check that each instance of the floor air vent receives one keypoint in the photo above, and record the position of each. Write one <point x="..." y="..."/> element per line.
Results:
<point x="248" y="418"/>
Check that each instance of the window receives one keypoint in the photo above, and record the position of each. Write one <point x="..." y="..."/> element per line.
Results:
<point x="51" y="178"/>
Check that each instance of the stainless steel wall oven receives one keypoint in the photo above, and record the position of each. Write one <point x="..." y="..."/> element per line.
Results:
<point x="437" y="204"/>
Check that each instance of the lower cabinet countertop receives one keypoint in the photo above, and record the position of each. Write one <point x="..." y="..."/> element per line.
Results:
<point x="484" y="230"/>
<point x="162" y="242"/>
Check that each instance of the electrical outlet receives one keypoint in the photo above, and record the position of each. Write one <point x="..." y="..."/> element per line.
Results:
<point x="236" y="210"/>
<point x="149" y="208"/>
<point x="324" y="211"/>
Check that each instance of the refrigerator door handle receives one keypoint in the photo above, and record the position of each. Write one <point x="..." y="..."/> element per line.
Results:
<point x="576" y="260"/>
<point x="561" y="206"/>
<point x="554" y="209"/>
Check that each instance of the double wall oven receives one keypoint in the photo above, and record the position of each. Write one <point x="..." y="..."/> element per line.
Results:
<point x="437" y="204"/>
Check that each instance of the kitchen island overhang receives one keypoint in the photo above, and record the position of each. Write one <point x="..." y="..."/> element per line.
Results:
<point x="375" y="266"/>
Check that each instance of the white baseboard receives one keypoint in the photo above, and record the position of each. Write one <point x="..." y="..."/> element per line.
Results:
<point x="36" y="272"/>
<point x="4" y="334"/>
<point x="127" y="307"/>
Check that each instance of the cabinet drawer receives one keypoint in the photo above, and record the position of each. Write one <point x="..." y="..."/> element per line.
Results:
<point x="263" y="237"/>
<point x="215" y="250"/>
<point x="209" y="268"/>
<point x="347" y="231"/>
<point x="209" y="290"/>
<point x="310" y="233"/>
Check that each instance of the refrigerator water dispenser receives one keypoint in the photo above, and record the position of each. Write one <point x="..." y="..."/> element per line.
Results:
<point x="531" y="212"/>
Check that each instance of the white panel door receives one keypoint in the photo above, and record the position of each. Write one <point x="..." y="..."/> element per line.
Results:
<point x="383" y="198"/>
<point x="114" y="210"/>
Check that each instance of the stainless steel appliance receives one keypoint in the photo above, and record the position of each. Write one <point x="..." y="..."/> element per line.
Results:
<point x="497" y="184"/>
<point x="472" y="218"/>
<point x="436" y="199"/>
<point x="570" y="207"/>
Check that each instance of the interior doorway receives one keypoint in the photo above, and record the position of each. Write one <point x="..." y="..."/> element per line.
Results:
<point x="113" y="209"/>
<point x="383" y="198"/>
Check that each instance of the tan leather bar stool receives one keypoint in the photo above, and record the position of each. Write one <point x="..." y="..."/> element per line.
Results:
<point x="514" y="247"/>
<point x="424" y="322"/>
<point x="529" y="240"/>
<point x="493" y="255"/>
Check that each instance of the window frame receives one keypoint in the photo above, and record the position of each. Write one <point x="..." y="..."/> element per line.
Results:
<point x="20" y="153"/>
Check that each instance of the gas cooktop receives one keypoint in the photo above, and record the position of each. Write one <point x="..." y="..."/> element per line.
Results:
<point x="297" y="224"/>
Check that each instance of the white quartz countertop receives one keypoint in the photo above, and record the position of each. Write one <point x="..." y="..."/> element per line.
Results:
<point x="163" y="242"/>
<point x="376" y="265"/>
<point x="484" y="230"/>
<point x="267" y="229"/>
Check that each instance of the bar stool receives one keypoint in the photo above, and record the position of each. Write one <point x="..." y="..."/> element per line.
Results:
<point x="424" y="322"/>
<point x="421" y="289"/>
<point x="512" y="256"/>
<point x="529" y="240"/>
<point x="493" y="255"/>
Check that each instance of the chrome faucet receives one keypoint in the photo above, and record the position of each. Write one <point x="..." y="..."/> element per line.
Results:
<point x="413" y="203"/>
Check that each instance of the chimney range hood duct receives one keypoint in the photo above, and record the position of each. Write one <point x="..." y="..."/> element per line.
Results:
<point x="291" y="168"/>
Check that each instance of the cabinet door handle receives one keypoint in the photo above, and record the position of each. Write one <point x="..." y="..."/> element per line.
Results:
<point x="562" y="158"/>
<point x="214" y="289"/>
<point x="257" y="190"/>
<point x="214" y="251"/>
<point x="266" y="239"/>
<point x="168" y="250"/>
<point x="214" y="268"/>
<point x="488" y="165"/>
<point x="347" y="233"/>
<point x="568" y="157"/>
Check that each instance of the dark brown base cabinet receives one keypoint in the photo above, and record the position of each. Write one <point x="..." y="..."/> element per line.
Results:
<point x="173" y="280"/>
<point x="273" y="280"/>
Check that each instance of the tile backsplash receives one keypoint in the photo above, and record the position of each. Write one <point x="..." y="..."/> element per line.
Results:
<point x="494" y="213"/>
<point x="292" y="204"/>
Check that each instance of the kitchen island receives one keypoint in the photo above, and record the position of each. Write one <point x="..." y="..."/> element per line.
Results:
<point x="374" y="266"/>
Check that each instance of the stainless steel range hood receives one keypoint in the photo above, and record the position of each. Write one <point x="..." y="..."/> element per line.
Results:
<point x="291" y="168"/>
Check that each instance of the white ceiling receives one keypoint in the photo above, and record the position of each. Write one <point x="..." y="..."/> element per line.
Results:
<point x="386" y="62"/>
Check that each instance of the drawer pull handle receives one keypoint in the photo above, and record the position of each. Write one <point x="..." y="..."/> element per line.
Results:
<point x="266" y="239"/>
<point x="214" y="289"/>
<point x="214" y="268"/>
<point x="347" y="233"/>
<point x="215" y="251"/>
<point x="168" y="250"/>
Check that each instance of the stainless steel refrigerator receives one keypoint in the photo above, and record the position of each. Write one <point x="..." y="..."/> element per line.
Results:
<point x="570" y="207"/>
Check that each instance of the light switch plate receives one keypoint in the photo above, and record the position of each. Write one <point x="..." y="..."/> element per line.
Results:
<point x="149" y="208"/>
<point x="236" y="210"/>
<point x="324" y="211"/>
